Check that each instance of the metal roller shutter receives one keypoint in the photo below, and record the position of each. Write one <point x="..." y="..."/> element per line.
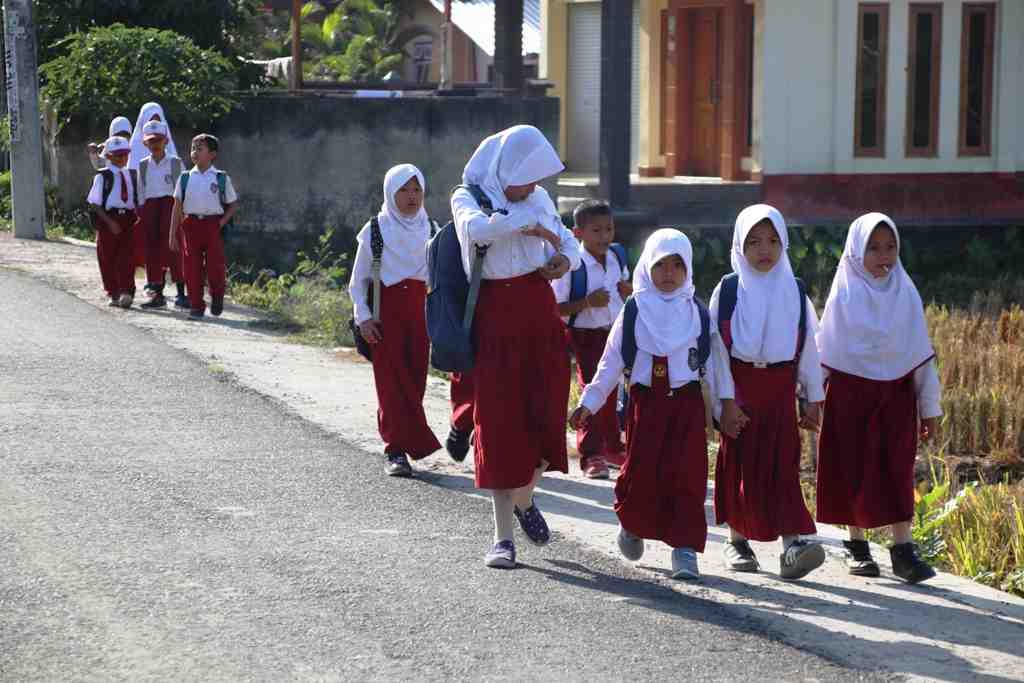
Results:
<point x="584" y="87"/>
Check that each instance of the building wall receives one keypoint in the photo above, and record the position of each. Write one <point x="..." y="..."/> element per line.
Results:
<point x="465" y="54"/>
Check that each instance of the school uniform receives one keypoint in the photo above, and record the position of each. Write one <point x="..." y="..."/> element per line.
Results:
<point x="757" y="476"/>
<point x="203" y="244"/>
<point x="114" y="252"/>
<point x="461" y="396"/>
<point x="661" y="489"/>
<point x="588" y="336"/>
<point x="400" y="359"/>
<point x="157" y="181"/>
<point x="881" y="378"/>
<point x="521" y="372"/>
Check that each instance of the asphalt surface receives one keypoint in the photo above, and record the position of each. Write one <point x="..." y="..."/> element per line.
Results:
<point x="157" y="521"/>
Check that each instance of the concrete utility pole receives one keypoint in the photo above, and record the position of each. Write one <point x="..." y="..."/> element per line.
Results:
<point x="295" y="75"/>
<point x="27" y="195"/>
<point x="616" y="76"/>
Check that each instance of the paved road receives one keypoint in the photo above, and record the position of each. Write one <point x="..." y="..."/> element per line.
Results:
<point x="158" y="522"/>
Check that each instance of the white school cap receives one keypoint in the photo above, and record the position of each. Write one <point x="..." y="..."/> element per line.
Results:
<point x="154" y="129"/>
<point x="116" y="144"/>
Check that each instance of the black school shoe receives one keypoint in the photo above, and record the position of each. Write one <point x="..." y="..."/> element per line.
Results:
<point x="196" y="314"/>
<point x="397" y="465"/>
<point x="158" y="301"/>
<point x="457" y="444"/>
<point x="181" y="301"/>
<point x="858" y="559"/>
<point x="533" y="524"/>
<point x="217" y="305"/>
<point x="908" y="565"/>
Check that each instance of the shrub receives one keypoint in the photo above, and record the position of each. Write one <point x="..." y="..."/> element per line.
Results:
<point x="112" y="70"/>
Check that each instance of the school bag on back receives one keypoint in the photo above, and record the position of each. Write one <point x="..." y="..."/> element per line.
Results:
<point x="451" y="296"/>
<point x="222" y="189"/>
<point x="727" y="293"/>
<point x="578" y="278"/>
<point x="108" y="187"/>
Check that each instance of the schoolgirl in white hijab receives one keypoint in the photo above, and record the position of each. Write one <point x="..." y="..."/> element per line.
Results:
<point x="757" y="480"/>
<point x="660" y="492"/>
<point x="400" y="347"/>
<point x="148" y="112"/>
<point x="883" y="394"/>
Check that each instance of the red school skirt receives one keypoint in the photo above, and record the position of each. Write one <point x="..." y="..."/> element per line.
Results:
<point x="757" y="476"/>
<point x="400" y="370"/>
<point x="661" y="490"/>
<point x="866" y="451"/>
<point x="521" y="382"/>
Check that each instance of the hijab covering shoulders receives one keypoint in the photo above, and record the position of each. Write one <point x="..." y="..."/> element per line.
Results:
<point x="119" y="124"/>
<point x="765" y="323"/>
<point x="139" y="150"/>
<point x="873" y="327"/>
<point x="667" y="322"/>
<point x="404" y="236"/>
<point x="519" y="155"/>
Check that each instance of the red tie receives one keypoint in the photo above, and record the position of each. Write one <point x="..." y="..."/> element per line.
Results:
<point x="124" y="187"/>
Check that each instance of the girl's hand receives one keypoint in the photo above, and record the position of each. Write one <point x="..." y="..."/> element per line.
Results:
<point x="734" y="420"/>
<point x="538" y="230"/>
<point x="811" y="419"/>
<point x="555" y="268"/>
<point x="599" y="298"/>
<point x="371" y="332"/>
<point x="929" y="428"/>
<point x="579" y="417"/>
<point x="625" y="288"/>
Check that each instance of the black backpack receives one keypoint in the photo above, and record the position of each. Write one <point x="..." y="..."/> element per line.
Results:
<point x="377" y="249"/>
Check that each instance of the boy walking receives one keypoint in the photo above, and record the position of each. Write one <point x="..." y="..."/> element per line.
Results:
<point x="589" y="300"/>
<point x="204" y="202"/>
<point x="113" y="198"/>
<point x="158" y="174"/>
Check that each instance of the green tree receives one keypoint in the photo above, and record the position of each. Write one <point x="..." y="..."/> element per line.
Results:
<point x="115" y="69"/>
<point x="356" y="40"/>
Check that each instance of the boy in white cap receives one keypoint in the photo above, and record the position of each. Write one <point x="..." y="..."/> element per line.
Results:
<point x="113" y="198"/>
<point x="158" y="174"/>
<point x="120" y="127"/>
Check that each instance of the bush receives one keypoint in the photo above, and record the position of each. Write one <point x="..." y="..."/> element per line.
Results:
<point x="111" y="70"/>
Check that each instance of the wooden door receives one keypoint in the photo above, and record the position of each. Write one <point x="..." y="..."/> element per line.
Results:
<point x="706" y="90"/>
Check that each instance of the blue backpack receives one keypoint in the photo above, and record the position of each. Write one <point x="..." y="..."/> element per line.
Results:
<point x="578" y="279"/>
<point x="727" y="293"/>
<point x="451" y="296"/>
<point x="698" y="358"/>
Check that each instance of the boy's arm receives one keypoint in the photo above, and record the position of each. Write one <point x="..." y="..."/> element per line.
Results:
<point x="176" y="214"/>
<point x="106" y="219"/>
<point x="574" y="307"/>
<point x="229" y="212"/>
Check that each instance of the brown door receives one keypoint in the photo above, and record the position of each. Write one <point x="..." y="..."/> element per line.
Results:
<point x="705" y="95"/>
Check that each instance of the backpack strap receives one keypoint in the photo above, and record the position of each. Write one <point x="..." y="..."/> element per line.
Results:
<point x="134" y="175"/>
<point x="801" y="330"/>
<point x="175" y="167"/>
<point x="477" y="267"/>
<point x="704" y="340"/>
<point x="620" y="253"/>
<point x="577" y="288"/>
<point x="629" y="315"/>
<point x="727" y="292"/>
<point x="377" y="248"/>
<point x="108" y="187"/>
<point x="143" y="166"/>
<point x="183" y="180"/>
<point x="222" y="189"/>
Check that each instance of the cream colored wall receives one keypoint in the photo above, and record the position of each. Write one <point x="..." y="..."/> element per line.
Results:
<point x="427" y="16"/>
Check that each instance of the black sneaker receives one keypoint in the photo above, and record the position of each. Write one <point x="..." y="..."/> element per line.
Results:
<point x="533" y="524"/>
<point x="217" y="305"/>
<point x="397" y="465"/>
<point x="158" y="301"/>
<point x="457" y="444"/>
<point x="908" y="565"/>
<point x="196" y="314"/>
<point x="739" y="556"/>
<point x="181" y="301"/>
<point x="799" y="559"/>
<point x="858" y="559"/>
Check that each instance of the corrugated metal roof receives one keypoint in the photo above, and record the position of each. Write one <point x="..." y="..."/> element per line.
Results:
<point x="475" y="18"/>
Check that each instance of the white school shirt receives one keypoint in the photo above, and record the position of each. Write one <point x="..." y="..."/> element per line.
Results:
<point x="606" y="277"/>
<point x="394" y="267"/>
<point x="159" y="181"/>
<point x="808" y="372"/>
<point x="611" y="365"/>
<point x="202" y="197"/>
<point x="114" y="200"/>
<point x="926" y="388"/>
<point x="511" y="253"/>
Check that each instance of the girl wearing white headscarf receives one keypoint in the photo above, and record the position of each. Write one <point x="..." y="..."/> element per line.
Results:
<point x="399" y="340"/>
<point x="150" y="111"/>
<point x="120" y="127"/>
<point x="882" y="393"/>
<point x="661" y="489"/>
<point x="758" y="362"/>
<point x="521" y="372"/>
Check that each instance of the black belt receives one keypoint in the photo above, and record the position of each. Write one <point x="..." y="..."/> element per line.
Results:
<point x="689" y="386"/>
<point x="201" y="217"/>
<point x="780" y="364"/>
<point x="121" y="212"/>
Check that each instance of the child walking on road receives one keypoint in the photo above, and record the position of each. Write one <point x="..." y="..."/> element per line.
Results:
<point x="656" y="342"/>
<point x="398" y="338"/>
<point x="113" y="198"/>
<point x="521" y="371"/>
<point x="763" y="345"/>
<point x="158" y="174"/>
<point x="882" y="393"/>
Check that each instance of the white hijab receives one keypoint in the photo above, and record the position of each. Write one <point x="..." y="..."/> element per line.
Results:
<point x="872" y="327"/>
<point x="139" y="150"/>
<point x="519" y="155"/>
<point x="667" y="323"/>
<point x="764" y="324"/>
<point x="119" y="124"/>
<point x="404" y="237"/>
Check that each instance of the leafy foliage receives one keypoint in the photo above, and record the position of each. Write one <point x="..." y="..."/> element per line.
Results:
<point x="111" y="70"/>
<point x="354" y="41"/>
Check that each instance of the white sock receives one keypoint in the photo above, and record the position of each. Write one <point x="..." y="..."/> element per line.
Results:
<point x="789" y="540"/>
<point x="503" y="518"/>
